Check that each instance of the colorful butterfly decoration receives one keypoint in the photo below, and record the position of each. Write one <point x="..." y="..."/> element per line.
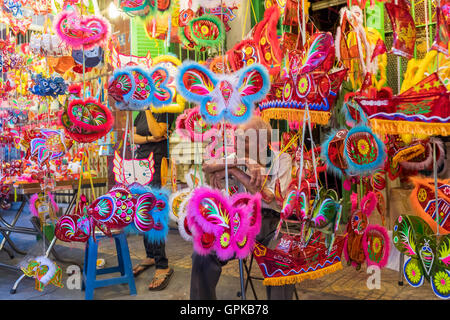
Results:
<point x="230" y="97"/>
<point x="429" y="256"/>
<point x="135" y="89"/>
<point x="227" y="225"/>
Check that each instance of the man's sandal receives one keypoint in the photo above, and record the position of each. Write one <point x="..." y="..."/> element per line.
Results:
<point x="141" y="267"/>
<point x="163" y="285"/>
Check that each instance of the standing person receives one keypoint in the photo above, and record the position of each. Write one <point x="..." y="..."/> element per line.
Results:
<point x="206" y="270"/>
<point x="151" y="134"/>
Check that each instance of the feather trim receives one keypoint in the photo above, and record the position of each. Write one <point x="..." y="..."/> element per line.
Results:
<point x="418" y="166"/>
<point x="324" y="154"/>
<point x="384" y="259"/>
<point x="33" y="200"/>
<point x="369" y="203"/>
<point x="365" y="169"/>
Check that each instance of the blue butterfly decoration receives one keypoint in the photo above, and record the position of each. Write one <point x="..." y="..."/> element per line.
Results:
<point x="230" y="96"/>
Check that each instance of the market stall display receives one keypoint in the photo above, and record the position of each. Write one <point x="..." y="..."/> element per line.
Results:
<point x="327" y="96"/>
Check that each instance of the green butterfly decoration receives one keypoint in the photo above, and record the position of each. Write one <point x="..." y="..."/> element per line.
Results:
<point x="429" y="256"/>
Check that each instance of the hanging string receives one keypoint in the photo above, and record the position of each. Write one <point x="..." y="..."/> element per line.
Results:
<point x="245" y="18"/>
<point x="131" y="134"/>
<point x="253" y="10"/>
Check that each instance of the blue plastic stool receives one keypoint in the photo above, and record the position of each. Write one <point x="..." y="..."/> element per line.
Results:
<point x="90" y="272"/>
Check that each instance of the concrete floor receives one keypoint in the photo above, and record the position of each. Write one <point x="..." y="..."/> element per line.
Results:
<point x="345" y="284"/>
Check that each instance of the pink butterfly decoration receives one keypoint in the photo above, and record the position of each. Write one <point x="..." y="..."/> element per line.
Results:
<point x="227" y="225"/>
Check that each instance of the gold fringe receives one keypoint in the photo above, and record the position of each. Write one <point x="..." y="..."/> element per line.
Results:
<point x="318" y="117"/>
<point x="405" y="127"/>
<point x="281" y="281"/>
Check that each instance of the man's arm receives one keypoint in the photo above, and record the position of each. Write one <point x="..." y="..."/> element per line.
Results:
<point x="138" y="139"/>
<point x="157" y="129"/>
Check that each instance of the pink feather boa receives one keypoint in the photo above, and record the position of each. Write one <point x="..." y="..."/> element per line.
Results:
<point x="33" y="200"/>
<point x="231" y="233"/>
<point x="80" y="25"/>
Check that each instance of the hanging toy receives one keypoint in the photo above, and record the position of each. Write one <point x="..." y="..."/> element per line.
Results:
<point x="135" y="89"/>
<point x="190" y="125"/>
<point x="76" y="226"/>
<point x="44" y="271"/>
<point x="118" y="209"/>
<point x="86" y="120"/>
<point x="171" y="64"/>
<point x="39" y="207"/>
<point x="429" y="256"/>
<point x="204" y="31"/>
<point x="263" y="46"/>
<point x="365" y="242"/>
<point x="44" y="145"/>
<point x="355" y="152"/>
<point x="227" y="225"/>
<point x="229" y="97"/>
<point x="48" y="87"/>
<point x="423" y="201"/>
<point x="133" y="171"/>
<point x="81" y="32"/>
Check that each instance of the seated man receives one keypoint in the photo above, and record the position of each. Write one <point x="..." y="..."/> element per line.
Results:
<point x="256" y="176"/>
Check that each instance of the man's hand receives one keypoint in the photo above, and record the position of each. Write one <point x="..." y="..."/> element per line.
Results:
<point x="255" y="171"/>
<point x="216" y="179"/>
